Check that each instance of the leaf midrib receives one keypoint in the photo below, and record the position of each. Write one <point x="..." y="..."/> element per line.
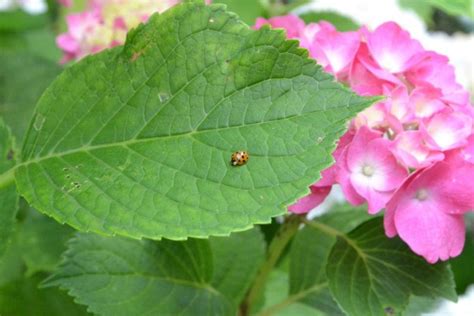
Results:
<point x="203" y="286"/>
<point x="134" y="141"/>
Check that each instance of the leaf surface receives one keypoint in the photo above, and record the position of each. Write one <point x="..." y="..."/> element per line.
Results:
<point x="42" y="241"/>
<point x="236" y="261"/>
<point x="23" y="297"/>
<point x="137" y="140"/>
<point x="8" y="194"/>
<point x="119" y="276"/>
<point x="309" y="254"/>
<point x="370" y="274"/>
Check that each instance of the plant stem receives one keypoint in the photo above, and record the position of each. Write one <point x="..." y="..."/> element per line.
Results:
<point x="275" y="249"/>
<point x="291" y="299"/>
<point x="7" y="178"/>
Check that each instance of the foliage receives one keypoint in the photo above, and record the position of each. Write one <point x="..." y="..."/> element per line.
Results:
<point x="205" y="88"/>
<point x="135" y="141"/>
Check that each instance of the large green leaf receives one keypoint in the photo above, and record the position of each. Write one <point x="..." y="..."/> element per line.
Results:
<point x="370" y="274"/>
<point x="8" y="194"/>
<point x="42" y="241"/>
<point x="119" y="276"/>
<point x="23" y="78"/>
<point x="22" y="297"/>
<point x="236" y="260"/>
<point x="137" y="140"/>
<point x="309" y="253"/>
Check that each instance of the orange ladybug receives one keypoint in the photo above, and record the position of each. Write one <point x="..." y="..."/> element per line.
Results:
<point x="239" y="158"/>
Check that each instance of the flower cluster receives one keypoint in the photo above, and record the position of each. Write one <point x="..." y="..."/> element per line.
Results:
<point x="104" y="24"/>
<point x="412" y="153"/>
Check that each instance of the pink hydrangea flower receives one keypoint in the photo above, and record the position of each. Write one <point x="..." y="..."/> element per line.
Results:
<point x="105" y="24"/>
<point x="427" y="210"/>
<point x="412" y="152"/>
<point x="368" y="171"/>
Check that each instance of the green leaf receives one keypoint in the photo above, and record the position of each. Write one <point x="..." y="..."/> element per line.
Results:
<point x="276" y="301"/>
<point x="419" y="305"/>
<point x="236" y="261"/>
<point x="39" y="43"/>
<point x="455" y="7"/>
<point x="248" y="10"/>
<point x="23" y="78"/>
<point x="119" y="276"/>
<point x="422" y="8"/>
<point x="23" y="297"/>
<point x="11" y="263"/>
<point x="462" y="265"/>
<point x="42" y="241"/>
<point x="370" y="274"/>
<point x="8" y="194"/>
<point x="309" y="253"/>
<point x="341" y="22"/>
<point x="137" y="140"/>
<point x="19" y="20"/>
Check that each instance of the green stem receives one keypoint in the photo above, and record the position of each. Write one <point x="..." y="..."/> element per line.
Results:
<point x="275" y="249"/>
<point x="291" y="299"/>
<point x="7" y="178"/>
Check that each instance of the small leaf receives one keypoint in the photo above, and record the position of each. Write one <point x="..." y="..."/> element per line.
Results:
<point x="137" y="140"/>
<point x="23" y="297"/>
<point x="23" y="78"/>
<point x="42" y="241"/>
<point x="8" y="194"/>
<point x="119" y="276"/>
<point x="341" y="22"/>
<point x="276" y="301"/>
<point x="462" y="265"/>
<point x="11" y="263"/>
<point x="455" y="7"/>
<point x="236" y="261"/>
<point x="248" y="10"/>
<point x="19" y="20"/>
<point x="369" y="273"/>
<point x="308" y="257"/>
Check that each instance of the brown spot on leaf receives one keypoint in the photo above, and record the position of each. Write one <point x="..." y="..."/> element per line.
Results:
<point x="135" y="55"/>
<point x="10" y="154"/>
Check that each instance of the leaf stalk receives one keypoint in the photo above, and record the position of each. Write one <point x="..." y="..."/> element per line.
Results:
<point x="275" y="250"/>
<point x="7" y="178"/>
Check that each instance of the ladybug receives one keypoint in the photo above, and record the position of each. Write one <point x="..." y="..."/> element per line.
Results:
<point x="239" y="158"/>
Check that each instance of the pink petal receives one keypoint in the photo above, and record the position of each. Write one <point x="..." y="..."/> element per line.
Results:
<point x="392" y="47"/>
<point x="292" y="24"/>
<point x="429" y="231"/>
<point x="361" y="79"/>
<point x="389" y="220"/>
<point x="335" y="49"/>
<point x="67" y="43"/>
<point x="357" y="149"/>
<point x="447" y="130"/>
<point x="343" y="178"/>
<point x="374" y="117"/>
<point x="397" y="103"/>
<point x="425" y="102"/>
<point x="451" y="180"/>
<point x="309" y="202"/>
<point x="66" y="3"/>
<point x="433" y="70"/>
<point x="410" y="149"/>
